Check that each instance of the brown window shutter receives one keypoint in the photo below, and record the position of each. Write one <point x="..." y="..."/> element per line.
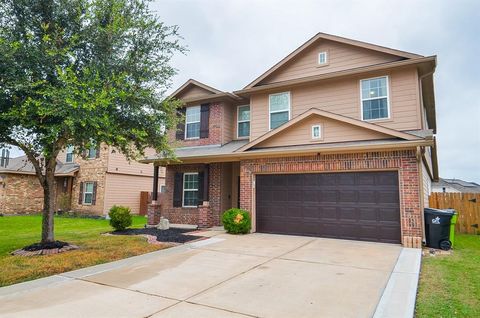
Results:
<point x="178" y="190"/>
<point x="204" y="115"/>
<point x="80" y="193"/>
<point x="98" y="152"/>
<point x="200" y="194"/>
<point x="180" y="134"/>
<point x="94" y="194"/>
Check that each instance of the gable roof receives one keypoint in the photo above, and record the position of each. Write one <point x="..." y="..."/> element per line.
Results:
<point x="460" y="185"/>
<point x="211" y="94"/>
<point x="21" y="165"/>
<point x="348" y="120"/>
<point x="191" y="82"/>
<point x="320" y="35"/>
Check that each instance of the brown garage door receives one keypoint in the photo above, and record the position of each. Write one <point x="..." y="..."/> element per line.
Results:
<point x="349" y="205"/>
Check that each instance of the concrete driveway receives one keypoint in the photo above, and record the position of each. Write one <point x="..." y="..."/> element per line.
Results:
<point x="256" y="275"/>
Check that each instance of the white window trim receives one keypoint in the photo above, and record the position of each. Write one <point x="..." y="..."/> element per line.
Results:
<point x="279" y="111"/>
<point x="193" y="122"/>
<point x="320" y="132"/>
<point x="66" y="155"/>
<point x="183" y="190"/>
<point x="326" y="58"/>
<point x="242" y="121"/>
<point x="373" y="98"/>
<point x="88" y="154"/>
<point x="85" y="192"/>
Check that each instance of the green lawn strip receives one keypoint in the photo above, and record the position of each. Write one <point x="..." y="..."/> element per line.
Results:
<point x="450" y="284"/>
<point x="19" y="231"/>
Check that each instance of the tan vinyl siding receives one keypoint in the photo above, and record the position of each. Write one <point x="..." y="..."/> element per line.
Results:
<point x="125" y="190"/>
<point x="117" y="163"/>
<point x="340" y="57"/>
<point x="343" y="97"/>
<point x="332" y="131"/>
<point x="193" y="91"/>
<point x="229" y="113"/>
<point x="427" y="185"/>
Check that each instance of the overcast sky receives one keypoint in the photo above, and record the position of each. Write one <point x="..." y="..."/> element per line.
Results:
<point x="231" y="42"/>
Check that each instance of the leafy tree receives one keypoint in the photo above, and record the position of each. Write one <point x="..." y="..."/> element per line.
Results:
<point x="80" y="73"/>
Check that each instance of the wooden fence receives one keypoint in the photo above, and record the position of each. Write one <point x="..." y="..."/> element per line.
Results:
<point x="467" y="206"/>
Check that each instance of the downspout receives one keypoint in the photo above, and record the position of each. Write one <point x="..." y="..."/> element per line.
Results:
<point x="421" y="192"/>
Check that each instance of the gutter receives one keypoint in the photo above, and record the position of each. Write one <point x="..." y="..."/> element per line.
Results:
<point x="320" y="77"/>
<point x="237" y="156"/>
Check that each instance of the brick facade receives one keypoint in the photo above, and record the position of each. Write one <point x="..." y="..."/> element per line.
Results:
<point x="91" y="170"/>
<point x="215" y="120"/>
<point x="206" y="215"/>
<point x="20" y="194"/>
<point x="403" y="161"/>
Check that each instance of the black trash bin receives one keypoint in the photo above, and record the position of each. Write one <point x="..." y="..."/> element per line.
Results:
<point x="437" y="228"/>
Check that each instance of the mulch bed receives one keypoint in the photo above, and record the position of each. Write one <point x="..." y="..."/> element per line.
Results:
<point x="172" y="235"/>
<point x="49" y="248"/>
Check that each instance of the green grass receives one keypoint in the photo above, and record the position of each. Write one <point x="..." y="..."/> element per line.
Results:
<point x="450" y="284"/>
<point x="19" y="231"/>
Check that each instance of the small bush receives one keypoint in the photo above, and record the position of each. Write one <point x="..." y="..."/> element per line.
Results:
<point x="120" y="217"/>
<point x="236" y="221"/>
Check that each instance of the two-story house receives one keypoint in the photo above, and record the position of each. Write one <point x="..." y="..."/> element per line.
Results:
<point x="335" y="140"/>
<point x="89" y="185"/>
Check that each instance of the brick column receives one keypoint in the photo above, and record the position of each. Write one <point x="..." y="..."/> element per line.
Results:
<point x="204" y="215"/>
<point x="153" y="213"/>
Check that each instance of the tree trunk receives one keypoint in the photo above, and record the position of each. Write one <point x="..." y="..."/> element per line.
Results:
<point x="48" y="204"/>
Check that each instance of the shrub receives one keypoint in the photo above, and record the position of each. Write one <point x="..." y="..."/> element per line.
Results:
<point x="120" y="217"/>
<point x="236" y="221"/>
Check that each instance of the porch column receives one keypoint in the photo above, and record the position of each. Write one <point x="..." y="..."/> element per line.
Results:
<point x="155" y="183"/>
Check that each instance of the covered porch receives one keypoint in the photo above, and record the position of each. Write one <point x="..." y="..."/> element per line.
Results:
<point x="195" y="193"/>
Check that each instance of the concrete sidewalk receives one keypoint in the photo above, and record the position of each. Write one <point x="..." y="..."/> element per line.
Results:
<point x="256" y="275"/>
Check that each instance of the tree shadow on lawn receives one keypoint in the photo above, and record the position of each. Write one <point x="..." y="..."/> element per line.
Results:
<point x="174" y="235"/>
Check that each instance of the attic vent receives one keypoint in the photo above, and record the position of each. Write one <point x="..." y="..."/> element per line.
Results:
<point x="322" y="58"/>
<point x="5" y="158"/>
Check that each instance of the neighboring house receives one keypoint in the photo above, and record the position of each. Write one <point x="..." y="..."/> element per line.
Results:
<point x="335" y="140"/>
<point x="455" y="185"/>
<point x="91" y="185"/>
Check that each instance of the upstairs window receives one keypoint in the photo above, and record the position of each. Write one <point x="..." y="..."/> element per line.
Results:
<point x="69" y="155"/>
<point x="322" y="58"/>
<point x="375" y="103"/>
<point x="92" y="152"/>
<point x="192" y="122"/>
<point x="316" y="132"/>
<point x="243" y="121"/>
<point x="279" y="108"/>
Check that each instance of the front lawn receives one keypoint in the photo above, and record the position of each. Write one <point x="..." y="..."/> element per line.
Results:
<point x="450" y="284"/>
<point x="19" y="231"/>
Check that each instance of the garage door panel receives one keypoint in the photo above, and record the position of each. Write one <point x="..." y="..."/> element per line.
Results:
<point x="388" y="196"/>
<point x="367" y="196"/>
<point x="386" y="214"/>
<point x="328" y="196"/>
<point x="347" y="214"/>
<point x="347" y="196"/>
<point x="345" y="178"/>
<point x="368" y="214"/>
<point x="326" y="179"/>
<point x="294" y="195"/>
<point x="365" y="178"/>
<point x="311" y="196"/>
<point x="311" y="180"/>
<point x="360" y="205"/>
